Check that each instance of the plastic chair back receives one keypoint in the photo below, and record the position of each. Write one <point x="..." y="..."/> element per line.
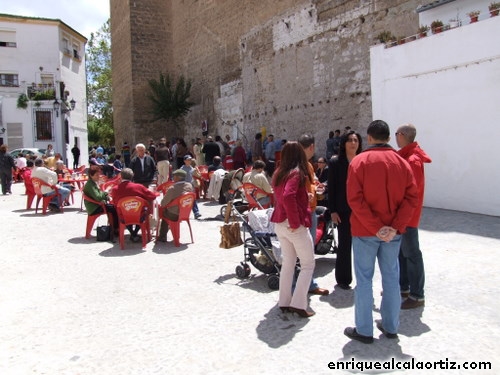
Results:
<point x="164" y="187"/>
<point x="92" y="218"/>
<point x="133" y="211"/>
<point x="37" y="186"/>
<point x="185" y="204"/>
<point x="250" y="190"/>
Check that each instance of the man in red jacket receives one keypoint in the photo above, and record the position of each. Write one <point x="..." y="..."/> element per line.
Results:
<point x="127" y="188"/>
<point x="382" y="194"/>
<point x="411" y="263"/>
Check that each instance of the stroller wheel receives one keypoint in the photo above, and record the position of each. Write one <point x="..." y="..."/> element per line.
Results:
<point x="223" y="210"/>
<point x="242" y="272"/>
<point x="247" y="270"/>
<point x="273" y="282"/>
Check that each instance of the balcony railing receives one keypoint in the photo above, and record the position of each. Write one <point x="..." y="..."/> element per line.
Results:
<point x="41" y="91"/>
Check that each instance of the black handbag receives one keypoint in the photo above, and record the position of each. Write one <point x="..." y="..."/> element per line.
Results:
<point x="104" y="233"/>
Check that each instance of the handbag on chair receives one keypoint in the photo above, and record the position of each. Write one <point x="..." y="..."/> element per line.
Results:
<point x="230" y="232"/>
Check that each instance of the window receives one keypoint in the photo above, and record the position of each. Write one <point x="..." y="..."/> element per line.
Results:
<point x="76" y="51"/>
<point x="65" y="45"/>
<point x="9" y="80"/>
<point x="8" y="38"/>
<point x="43" y="125"/>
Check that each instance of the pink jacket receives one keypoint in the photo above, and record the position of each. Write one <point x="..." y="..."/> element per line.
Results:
<point x="291" y="202"/>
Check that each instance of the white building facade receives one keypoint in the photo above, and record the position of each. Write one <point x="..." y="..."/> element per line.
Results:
<point x="42" y="85"/>
<point x="448" y="85"/>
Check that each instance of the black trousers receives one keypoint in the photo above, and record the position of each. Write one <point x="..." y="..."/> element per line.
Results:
<point x="343" y="273"/>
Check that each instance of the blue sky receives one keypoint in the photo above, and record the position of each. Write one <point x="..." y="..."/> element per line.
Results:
<point x="85" y="16"/>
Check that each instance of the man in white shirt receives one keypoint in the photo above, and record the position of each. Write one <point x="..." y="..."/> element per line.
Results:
<point x="50" y="177"/>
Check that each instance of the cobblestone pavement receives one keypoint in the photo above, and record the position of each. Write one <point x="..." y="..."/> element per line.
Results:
<point x="70" y="305"/>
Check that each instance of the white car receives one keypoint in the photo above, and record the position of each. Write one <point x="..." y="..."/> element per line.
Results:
<point x="39" y="152"/>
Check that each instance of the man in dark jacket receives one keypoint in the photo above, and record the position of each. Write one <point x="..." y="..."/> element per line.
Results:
<point x="210" y="149"/>
<point x="143" y="165"/>
<point x="6" y="165"/>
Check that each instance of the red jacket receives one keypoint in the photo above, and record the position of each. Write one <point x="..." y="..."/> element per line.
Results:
<point x="416" y="157"/>
<point x="131" y="189"/>
<point x="291" y="202"/>
<point x="381" y="191"/>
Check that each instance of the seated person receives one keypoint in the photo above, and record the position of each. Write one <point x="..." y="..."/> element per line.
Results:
<point x="179" y="187"/>
<point x="322" y="175"/>
<point x="93" y="159"/>
<point x="216" y="164"/>
<point x="51" y="161"/>
<point x="257" y="177"/>
<point x="127" y="188"/>
<point x="50" y="177"/>
<point x="118" y="163"/>
<point x="92" y="190"/>
<point x="61" y="172"/>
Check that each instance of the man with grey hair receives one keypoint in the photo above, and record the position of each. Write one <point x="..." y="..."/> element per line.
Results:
<point x="143" y="165"/>
<point x="411" y="262"/>
<point x="50" y="177"/>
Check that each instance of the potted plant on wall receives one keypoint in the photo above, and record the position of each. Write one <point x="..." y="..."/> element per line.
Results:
<point x="474" y="15"/>
<point x="422" y="31"/>
<point x="22" y="101"/>
<point x="494" y="9"/>
<point x="437" y="26"/>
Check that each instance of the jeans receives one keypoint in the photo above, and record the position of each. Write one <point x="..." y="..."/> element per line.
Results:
<point x="296" y="244"/>
<point x="411" y="263"/>
<point x="64" y="195"/>
<point x="196" y="210"/>
<point x="366" y="250"/>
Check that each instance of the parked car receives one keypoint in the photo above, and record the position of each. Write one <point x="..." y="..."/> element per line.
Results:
<point x="39" y="152"/>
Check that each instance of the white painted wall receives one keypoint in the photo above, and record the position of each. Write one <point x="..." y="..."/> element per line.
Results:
<point x="39" y="44"/>
<point x="448" y="86"/>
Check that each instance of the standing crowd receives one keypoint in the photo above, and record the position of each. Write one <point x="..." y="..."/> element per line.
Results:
<point x="374" y="196"/>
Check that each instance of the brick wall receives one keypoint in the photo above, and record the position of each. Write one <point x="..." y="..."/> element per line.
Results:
<point x="291" y="66"/>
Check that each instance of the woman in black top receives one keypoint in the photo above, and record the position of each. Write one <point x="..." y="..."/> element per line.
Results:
<point x="350" y="146"/>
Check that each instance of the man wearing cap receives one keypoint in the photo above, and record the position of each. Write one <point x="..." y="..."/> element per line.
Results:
<point x="179" y="187"/>
<point x="188" y="168"/>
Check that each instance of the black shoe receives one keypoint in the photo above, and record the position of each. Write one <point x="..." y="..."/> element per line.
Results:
<point x="135" y="238"/>
<point x="344" y="286"/>
<point x="354" y="335"/>
<point x="386" y="334"/>
<point x="197" y="216"/>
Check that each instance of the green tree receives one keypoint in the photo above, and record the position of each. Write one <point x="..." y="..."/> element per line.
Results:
<point x="100" y="109"/>
<point x="170" y="103"/>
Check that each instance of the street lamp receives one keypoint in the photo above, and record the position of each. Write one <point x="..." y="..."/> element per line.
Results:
<point x="64" y="107"/>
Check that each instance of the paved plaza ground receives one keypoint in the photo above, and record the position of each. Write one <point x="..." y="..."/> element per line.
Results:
<point x="70" y="305"/>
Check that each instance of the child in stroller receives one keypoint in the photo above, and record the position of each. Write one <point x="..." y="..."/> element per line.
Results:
<point x="262" y="248"/>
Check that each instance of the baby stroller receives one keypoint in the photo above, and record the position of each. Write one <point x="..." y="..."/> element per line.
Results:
<point x="262" y="248"/>
<point x="325" y="234"/>
<point x="231" y="191"/>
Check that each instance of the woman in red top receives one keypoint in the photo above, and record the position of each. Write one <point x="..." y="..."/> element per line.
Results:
<point x="292" y="216"/>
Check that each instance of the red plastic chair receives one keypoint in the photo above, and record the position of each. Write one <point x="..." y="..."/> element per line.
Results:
<point x="185" y="203"/>
<point x="251" y="191"/>
<point x="37" y="185"/>
<point x="30" y="190"/>
<point x="92" y="218"/>
<point x="133" y="211"/>
<point x="164" y="187"/>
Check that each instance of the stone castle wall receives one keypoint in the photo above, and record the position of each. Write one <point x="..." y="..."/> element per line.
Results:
<point x="290" y="66"/>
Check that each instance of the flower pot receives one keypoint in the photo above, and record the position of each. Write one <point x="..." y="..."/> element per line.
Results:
<point x="474" y="19"/>
<point x="494" y="12"/>
<point x="423" y="35"/>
